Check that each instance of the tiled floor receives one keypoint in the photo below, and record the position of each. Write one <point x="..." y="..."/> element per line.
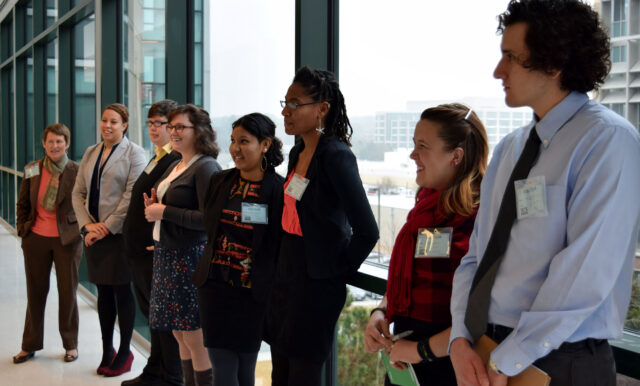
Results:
<point x="47" y="368"/>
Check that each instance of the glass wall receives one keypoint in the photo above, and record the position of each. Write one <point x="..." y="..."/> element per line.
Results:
<point x="84" y="86"/>
<point x="143" y="52"/>
<point x="199" y="31"/>
<point x="52" y="12"/>
<point x="7" y="180"/>
<point x="27" y="147"/>
<point x="251" y="63"/>
<point x="6" y="38"/>
<point x="25" y="14"/>
<point x="6" y="119"/>
<point x="51" y="81"/>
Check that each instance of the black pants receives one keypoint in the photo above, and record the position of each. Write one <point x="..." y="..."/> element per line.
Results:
<point x="294" y="372"/>
<point x="232" y="368"/>
<point x="584" y="363"/>
<point x="164" y="358"/>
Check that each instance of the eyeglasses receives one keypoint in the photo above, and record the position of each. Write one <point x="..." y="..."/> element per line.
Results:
<point x="178" y="128"/>
<point x="293" y="105"/>
<point x="156" y="123"/>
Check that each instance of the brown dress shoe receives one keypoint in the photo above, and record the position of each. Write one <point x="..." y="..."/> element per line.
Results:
<point x="23" y="358"/>
<point x="70" y="357"/>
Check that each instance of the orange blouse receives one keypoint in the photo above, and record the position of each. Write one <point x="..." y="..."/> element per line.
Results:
<point x="290" y="219"/>
<point x="45" y="223"/>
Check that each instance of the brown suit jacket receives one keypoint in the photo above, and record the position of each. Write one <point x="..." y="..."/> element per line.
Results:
<point x="65" y="216"/>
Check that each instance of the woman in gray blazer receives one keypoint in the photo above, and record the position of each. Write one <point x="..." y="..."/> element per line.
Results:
<point x="101" y="197"/>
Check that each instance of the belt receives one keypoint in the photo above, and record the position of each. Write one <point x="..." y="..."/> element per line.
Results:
<point x="498" y="333"/>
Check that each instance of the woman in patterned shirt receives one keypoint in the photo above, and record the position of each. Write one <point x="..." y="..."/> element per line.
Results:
<point x="234" y="275"/>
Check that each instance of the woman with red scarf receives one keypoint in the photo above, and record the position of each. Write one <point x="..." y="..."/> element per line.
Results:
<point x="451" y="156"/>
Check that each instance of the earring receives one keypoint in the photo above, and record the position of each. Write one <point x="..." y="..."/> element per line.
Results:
<point x="264" y="164"/>
<point x="319" y="129"/>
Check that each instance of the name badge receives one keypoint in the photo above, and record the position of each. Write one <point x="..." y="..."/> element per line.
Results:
<point x="531" y="197"/>
<point x="152" y="165"/>
<point x="297" y="186"/>
<point x="433" y="242"/>
<point x="32" y="171"/>
<point x="254" y="213"/>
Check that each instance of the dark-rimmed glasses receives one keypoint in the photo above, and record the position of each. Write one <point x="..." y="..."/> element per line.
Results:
<point x="155" y="123"/>
<point x="294" y="105"/>
<point x="178" y="128"/>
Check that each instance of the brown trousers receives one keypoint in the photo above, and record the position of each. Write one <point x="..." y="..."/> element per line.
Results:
<point x="39" y="255"/>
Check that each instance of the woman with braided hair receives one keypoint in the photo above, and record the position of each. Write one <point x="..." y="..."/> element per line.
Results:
<point x="328" y="225"/>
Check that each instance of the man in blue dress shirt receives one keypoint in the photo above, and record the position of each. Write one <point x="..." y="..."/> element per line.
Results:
<point x="563" y="286"/>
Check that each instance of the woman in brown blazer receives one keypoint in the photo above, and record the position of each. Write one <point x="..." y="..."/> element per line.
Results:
<point x="49" y="231"/>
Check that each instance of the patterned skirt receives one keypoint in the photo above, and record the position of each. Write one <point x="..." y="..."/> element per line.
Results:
<point x="174" y="299"/>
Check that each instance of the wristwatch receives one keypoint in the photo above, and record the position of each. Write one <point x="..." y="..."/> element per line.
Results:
<point x="383" y="310"/>
<point x="425" y="351"/>
<point x="83" y="231"/>
<point x="494" y="367"/>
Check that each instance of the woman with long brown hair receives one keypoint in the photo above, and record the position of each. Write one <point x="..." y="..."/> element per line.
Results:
<point x="177" y="207"/>
<point x="451" y="157"/>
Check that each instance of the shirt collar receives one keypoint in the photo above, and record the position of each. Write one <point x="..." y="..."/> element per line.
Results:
<point x="553" y="121"/>
<point x="162" y="151"/>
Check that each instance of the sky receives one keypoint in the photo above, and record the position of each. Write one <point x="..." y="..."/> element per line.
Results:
<point x="390" y="53"/>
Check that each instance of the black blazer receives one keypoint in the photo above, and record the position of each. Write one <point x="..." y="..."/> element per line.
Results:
<point x="338" y="227"/>
<point x="65" y="216"/>
<point x="183" y="218"/>
<point x="137" y="231"/>
<point x="266" y="237"/>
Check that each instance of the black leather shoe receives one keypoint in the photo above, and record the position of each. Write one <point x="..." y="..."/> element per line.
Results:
<point x="140" y="380"/>
<point x="23" y="358"/>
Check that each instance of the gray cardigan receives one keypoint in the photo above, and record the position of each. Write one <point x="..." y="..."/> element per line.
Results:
<point x="182" y="222"/>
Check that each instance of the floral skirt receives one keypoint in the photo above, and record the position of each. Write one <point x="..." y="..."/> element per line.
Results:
<point x="174" y="299"/>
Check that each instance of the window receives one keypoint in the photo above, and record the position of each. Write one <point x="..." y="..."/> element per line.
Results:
<point x="251" y="64"/>
<point x="84" y="87"/>
<point x="200" y="60"/>
<point x="26" y="149"/>
<point x="619" y="25"/>
<point x="618" y="54"/>
<point x="7" y="180"/>
<point x="52" y="12"/>
<point x="143" y="53"/>
<point x="6" y="39"/>
<point x="24" y="13"/>
<point x="618" y="108"/>
<point x="6" y="118"/>
<point x="51" y="79"/>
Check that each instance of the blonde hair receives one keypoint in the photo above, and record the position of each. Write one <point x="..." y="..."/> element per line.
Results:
<point x="460" y="127"/>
